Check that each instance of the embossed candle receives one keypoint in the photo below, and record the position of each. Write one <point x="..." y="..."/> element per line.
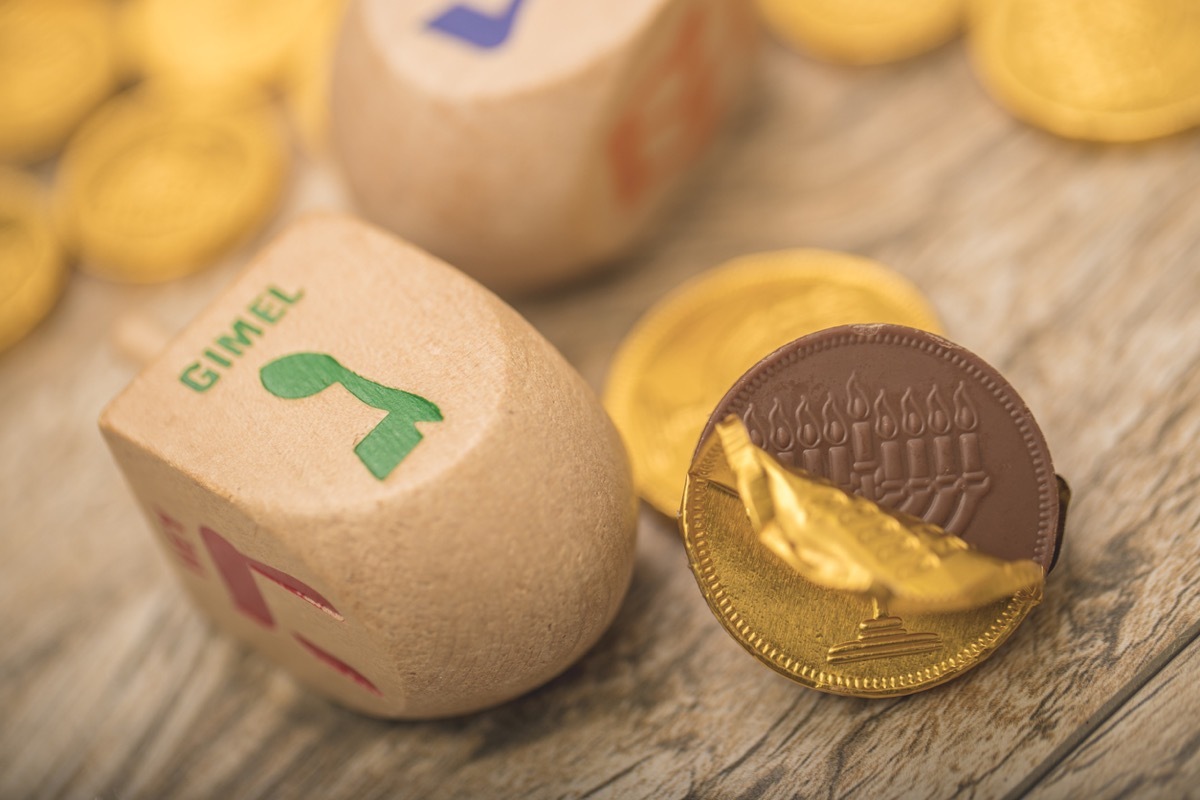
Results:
<point x="892" y="481"/>
<point x="860" y="429"/>
<point x="1003" y="500"/>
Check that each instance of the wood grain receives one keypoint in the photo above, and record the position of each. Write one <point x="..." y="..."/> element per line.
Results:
<point x="1163" y="712"/>
<point x="1072" y="268"/>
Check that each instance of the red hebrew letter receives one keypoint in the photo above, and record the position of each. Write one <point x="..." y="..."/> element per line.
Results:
<point x="237" y="571"/>
<point x="337" y="664"/>
<point x="173" y="530"/>
<point x="670" y="117"/>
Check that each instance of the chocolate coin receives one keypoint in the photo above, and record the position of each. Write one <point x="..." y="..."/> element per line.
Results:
<point x="913" y="422"/>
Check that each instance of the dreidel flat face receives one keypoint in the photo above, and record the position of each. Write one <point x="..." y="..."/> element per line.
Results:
<point x="527" y="140"/>
<point x="371" y="469"/>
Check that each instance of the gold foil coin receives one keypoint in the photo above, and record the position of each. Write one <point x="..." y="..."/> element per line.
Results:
<point x="215" y="42"/>
<point x="678" y="362"/>
<point x="32" y="270"/>
<point x="836" y="641"/>
<point x="1103" y="70"/>
<point x="864" y="31"/>
<point x="57" y="59"/>
<point x="153" y="189"/>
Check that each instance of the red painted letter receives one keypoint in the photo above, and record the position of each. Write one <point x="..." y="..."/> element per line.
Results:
<point x="238" y="571"/>
<point x="235" y="569"/>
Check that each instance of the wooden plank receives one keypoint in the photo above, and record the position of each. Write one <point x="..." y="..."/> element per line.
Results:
<point x="1146" y="747"/>
<point x="1071" y="267"/>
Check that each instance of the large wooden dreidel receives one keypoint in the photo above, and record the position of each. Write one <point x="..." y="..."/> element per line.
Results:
<point x="378" y="474"/>
<point x="525" y="141"/>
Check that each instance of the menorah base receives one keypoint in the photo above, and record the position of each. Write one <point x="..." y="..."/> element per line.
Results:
<point x="883" y="637"/>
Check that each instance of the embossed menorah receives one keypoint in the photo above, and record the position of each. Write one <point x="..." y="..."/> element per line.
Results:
<point x="913" y="454"/>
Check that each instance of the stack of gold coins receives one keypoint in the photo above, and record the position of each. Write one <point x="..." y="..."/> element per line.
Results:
<point x="59" y="60"/>
<point x="183" y="165"/>
<point x="165" y="178"/>
<point x="155" y="186"/>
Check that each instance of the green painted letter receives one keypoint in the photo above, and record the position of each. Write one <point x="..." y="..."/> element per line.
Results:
<point x="207" y="378"/>
<point x="302" y="375"/>
<point x="240" y="340"/>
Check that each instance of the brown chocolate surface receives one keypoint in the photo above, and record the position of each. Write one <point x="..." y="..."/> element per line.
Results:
<point x="913" y="422"/>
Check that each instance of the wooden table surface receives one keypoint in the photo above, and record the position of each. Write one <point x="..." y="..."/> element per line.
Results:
<point x="1075" y="269"/>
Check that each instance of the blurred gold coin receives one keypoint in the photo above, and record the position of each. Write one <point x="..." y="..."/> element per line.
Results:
<point x="57" y="62"/>
<point x="153" y="188"/>
<point x="678" y="362"/>
<point x="32" y="270"/>
<point x="1103" y="70"/>
<point x="864" y="31"/>
<point x="215" y="42"/>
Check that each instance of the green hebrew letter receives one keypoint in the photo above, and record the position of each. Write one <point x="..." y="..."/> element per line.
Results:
<point x="305" y="374"/>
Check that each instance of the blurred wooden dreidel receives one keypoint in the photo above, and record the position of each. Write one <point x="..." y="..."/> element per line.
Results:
<point x="374" y="471"/>
<point x="526" y="141"/>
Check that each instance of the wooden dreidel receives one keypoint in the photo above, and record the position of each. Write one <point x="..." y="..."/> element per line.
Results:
<point x="374" y="471"/>
<point x="526" y="141"/>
